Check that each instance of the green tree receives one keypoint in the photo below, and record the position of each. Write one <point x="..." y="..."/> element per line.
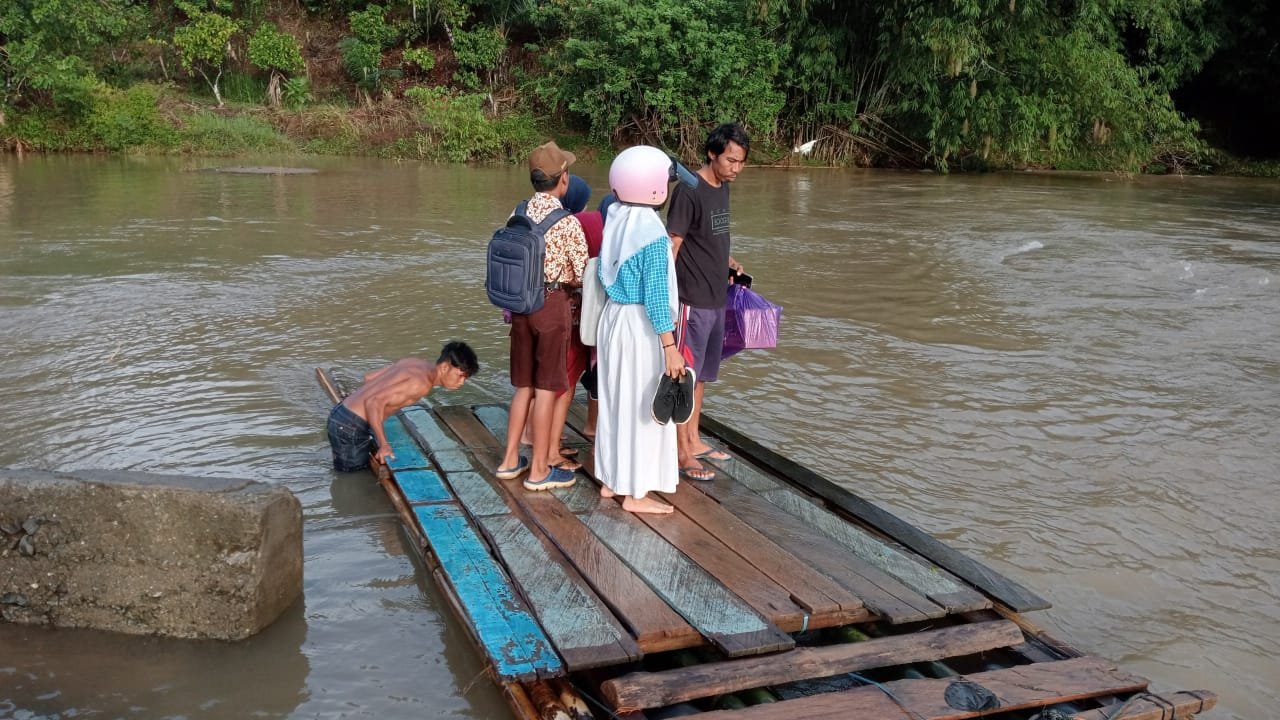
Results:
<point x="204" y="43"/>
<point x="47" y="48"/>
<point x="277" y="53"/>
<point x="362" y="53"/>
<point x="662" y="71"/>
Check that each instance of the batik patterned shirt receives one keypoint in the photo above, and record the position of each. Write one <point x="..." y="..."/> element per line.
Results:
<point x="566" y="243"/>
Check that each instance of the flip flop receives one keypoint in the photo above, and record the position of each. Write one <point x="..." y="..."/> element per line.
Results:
<point x="698" y="474"/>
<point x="570" y="465"/>
<point x="568" y="452"/>
<point x="713" y="454"/>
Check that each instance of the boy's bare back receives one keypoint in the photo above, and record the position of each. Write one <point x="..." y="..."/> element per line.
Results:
<point x="391" y="388"/>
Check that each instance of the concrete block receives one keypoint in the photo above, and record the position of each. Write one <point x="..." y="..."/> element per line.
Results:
<point x="147" y="554"/>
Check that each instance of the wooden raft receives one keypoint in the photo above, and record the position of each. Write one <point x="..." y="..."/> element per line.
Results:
<point x="770" y="593"/>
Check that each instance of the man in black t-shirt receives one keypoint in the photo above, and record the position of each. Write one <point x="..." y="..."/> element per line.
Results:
<point x="698" y="223"/>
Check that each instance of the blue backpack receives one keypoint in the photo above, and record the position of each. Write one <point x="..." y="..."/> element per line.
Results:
<point x="514" y="276"/>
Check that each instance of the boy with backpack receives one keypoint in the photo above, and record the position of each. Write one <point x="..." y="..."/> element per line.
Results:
<point x="540" y="332"/>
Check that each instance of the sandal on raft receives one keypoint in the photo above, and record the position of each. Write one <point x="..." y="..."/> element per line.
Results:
<point x="512" y="473"/>
<point x="567" y="464"/>
<point x="697" y="473"/>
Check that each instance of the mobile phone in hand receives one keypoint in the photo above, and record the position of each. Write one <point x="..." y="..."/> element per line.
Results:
<point x="740" y="278"/>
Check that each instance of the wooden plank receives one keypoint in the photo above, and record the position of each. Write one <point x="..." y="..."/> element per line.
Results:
<point x="883" y="594"/>
<point x="728" y="622"/>
<point x="655" y="626"/>
<point x="929" y="581"/>
<point x="926" y="580"/>
<point x="971" y="571"/>
<point x="408" y="454"/>
<point x="724" y="619"/>
<point x="827" y="602"/>
<point x="582" y="629"/>
<point x="766" y="597"/>
<point x="477" y="495"/>
<point x="422" y="486"/>
<point x="874" y="589"/>
<point x="447" y="453"/>
<point x="640" y="690"/>
<point x="515" y="645"/>
<point x="1171" y="706"/>
<point x="1020" y="687"/>
<point x="494" y="417"/>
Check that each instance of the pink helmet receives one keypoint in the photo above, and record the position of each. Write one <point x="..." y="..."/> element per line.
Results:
<point x="639" y="175"/>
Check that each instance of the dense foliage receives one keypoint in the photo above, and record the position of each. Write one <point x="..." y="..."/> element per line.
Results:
<point x="1119" y="84"/>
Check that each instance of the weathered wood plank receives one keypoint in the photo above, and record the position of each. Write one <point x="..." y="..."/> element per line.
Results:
<point x="408" y="454"/>
<point x="875" y="589"/>
<point x="925" y="579"/>
<point x="667" y="687"/>
<point x="477" y="495"/>
<point x="931" y="582"/>
<point x="422" y="486"/>
<point x="494" y="419"/>
<point x="514" y="643"/>
<point x="582" y="629"/>
<point x="1170" y="706"/>
<point x="423" y="426"/>
<point x="827" y="602"/>
<point x="883" y="594"/>
<point x="723" y="618"/>
<point x="971" y="571"/>
<point x="1020" y="687"/>
<point x="655" y="626"/>
<point x="679" y="580"/>
<point x="766" y="597"/>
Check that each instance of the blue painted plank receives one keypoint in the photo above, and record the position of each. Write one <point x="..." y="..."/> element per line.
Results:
<point x="422" y="486"/>
<point x="515" y="644"/>
<point x="408" y="455"/>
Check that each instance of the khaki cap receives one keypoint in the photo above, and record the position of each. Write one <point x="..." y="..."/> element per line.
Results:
<point x="550" y="159"/>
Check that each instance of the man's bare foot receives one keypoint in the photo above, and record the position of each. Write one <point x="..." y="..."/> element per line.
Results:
<point x="605" y="492"/>
<point x="646" y="505"/>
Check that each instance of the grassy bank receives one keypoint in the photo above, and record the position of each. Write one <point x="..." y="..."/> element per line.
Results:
<point x="162" y="119"/>
<point x="430" y="124"/>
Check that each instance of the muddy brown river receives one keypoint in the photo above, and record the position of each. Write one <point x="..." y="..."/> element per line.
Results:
<point x="1073" y="378"/>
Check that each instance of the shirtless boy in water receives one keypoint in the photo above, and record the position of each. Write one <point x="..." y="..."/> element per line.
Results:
<point x="355" y="425"/>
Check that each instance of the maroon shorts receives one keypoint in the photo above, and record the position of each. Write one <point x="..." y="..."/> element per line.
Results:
<point x="540" y="345"/>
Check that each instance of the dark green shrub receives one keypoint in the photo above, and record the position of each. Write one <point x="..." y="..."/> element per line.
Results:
<point x="479" y="53"/>
<point x="123" y="119"/>
<point x="370" y="25"/>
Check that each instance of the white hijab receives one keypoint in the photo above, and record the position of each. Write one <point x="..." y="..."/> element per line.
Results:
<point x="627" y="230"/>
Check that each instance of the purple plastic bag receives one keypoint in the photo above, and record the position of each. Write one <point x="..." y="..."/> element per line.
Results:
<point x="750" y="321"/>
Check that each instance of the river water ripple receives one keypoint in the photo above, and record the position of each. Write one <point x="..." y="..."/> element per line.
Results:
<point x="1072" y="378"/>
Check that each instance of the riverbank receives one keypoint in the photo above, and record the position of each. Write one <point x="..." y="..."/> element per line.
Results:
<point x="432" y="125"/>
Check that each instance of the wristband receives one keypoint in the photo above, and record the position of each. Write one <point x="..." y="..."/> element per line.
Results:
<point x="664" y="347"/>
